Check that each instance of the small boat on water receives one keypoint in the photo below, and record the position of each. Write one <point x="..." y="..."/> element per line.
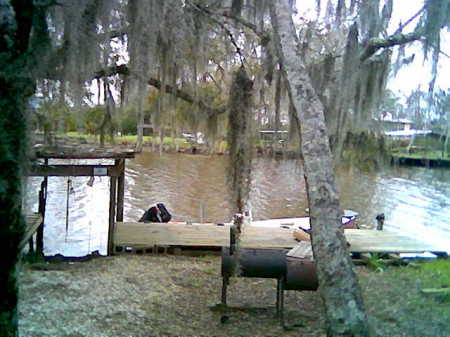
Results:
<point x="349" y="221"/>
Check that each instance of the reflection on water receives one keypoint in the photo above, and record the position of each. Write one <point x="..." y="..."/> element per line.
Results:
<point x="194" y="187"/>
<point x="415" y="201"/>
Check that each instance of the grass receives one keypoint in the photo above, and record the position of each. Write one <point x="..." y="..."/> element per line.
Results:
<point x="422" y="148"/>
<point x="397" y="304"/>
<point x="435" y="155"/>
<point x="160" y="295"/>
<point x="131" y="139"/>
<point x="434" y="274"/>
<point x="169" y="143"/>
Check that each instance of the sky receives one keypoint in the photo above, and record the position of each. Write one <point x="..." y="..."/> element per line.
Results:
<point x="418" y="73"/>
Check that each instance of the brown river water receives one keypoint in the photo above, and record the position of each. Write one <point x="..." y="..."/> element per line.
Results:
<point x="415" y="201"/>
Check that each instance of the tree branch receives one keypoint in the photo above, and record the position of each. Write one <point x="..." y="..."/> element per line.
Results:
<point x="263" y="35"/>
<point x="375" y="44"/>
<point x="186" y="97"/>
<point x="123" y="70"/>
<point x="206" y="12"/>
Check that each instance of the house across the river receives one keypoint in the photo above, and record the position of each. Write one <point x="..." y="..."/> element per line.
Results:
<point x="401" y="127"/>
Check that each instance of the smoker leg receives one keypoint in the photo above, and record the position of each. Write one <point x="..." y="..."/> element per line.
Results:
<point x="280" y="307"/>
<point x="278" y="296"/>
<point x="225" y="281"/>
<point x="280" y="300"/>
<point x="280" y="286"/>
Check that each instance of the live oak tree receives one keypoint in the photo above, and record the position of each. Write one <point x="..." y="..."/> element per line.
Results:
<point x="364" y="72"/>
<point x="338" y="283"/>
<point x="19" y="48"/>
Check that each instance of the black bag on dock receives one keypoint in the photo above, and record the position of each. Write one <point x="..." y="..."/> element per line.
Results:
<point x="156" y="213"/>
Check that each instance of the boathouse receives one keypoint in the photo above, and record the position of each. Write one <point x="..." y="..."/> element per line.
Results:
<point x="45" y="166"/>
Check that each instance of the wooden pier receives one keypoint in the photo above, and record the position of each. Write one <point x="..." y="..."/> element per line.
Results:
<point x="418" y="161"/>
<point x="126" y="236"/>
<point x="143" y="236"/>
<point x="115" y="171"/>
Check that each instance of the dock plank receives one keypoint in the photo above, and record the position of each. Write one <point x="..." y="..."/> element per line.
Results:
<point x="131" y="234"/>
<point x="145" y="234"/>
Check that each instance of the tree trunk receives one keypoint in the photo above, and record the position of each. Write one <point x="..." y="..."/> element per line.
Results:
<point x="447" y="136"/>
<point x="140" y="123"/>
<point x="276" y="137"/>
<point x="16" y="87"/>
<point x="338" y="283"/>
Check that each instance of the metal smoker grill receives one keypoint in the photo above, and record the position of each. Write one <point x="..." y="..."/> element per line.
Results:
<point x="293" y="271"/>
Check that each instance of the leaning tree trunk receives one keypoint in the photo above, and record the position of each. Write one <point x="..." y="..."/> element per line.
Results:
<point x="16" y="87"/>
<point x="338" y="283"/>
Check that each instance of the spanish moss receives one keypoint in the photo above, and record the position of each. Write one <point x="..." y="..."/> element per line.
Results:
<point x="239" y="138"/>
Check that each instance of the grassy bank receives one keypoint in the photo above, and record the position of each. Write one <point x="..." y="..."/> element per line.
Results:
<point x="429" y="148"/>
<point x="129" y="139"/>
<point x="430" y="155"/>
<point x="169" y="144"/>
<point x="398" y="303"/>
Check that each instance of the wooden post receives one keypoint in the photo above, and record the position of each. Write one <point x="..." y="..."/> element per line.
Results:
<point x="120" y="188"/>
<point x="42" y="205"/>
<point x="380" y="221"/>
<point x="112" y="211"/>
<point x="31" y="245"/>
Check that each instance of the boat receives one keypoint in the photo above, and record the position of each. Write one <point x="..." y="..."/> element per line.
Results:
<point x="349" y="221"/>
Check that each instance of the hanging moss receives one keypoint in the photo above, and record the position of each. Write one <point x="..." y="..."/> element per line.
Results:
<point x="437" y="17"/>
<point x="239" y="138"/>
<point x="366" y="150"/>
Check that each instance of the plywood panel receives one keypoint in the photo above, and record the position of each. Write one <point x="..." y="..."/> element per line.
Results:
<point x="32" y="221"/>
<point x="390" y="242"/>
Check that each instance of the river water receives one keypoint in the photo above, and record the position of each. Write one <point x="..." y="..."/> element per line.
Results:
<point x="415" y="201"/>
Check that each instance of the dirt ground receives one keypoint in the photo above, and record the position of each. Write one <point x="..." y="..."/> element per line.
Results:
<point x="169" y="295"/>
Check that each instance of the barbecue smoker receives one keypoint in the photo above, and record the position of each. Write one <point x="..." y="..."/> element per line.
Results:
<point x="294" y="269"/>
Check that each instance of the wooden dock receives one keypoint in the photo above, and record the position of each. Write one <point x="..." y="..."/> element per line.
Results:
<point x="417" y="161"/>
<point x="146" y="235"/>
<point x="116" y="174"/>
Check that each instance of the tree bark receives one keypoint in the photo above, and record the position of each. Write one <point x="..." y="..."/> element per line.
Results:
<point x="16" y="19"/>
<point x="276" y="137"/>
<point x="375" y="44"/>
<point x="447" y="137"/>
<point x="338" y="282"/>
<point x="140" y="129"/>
